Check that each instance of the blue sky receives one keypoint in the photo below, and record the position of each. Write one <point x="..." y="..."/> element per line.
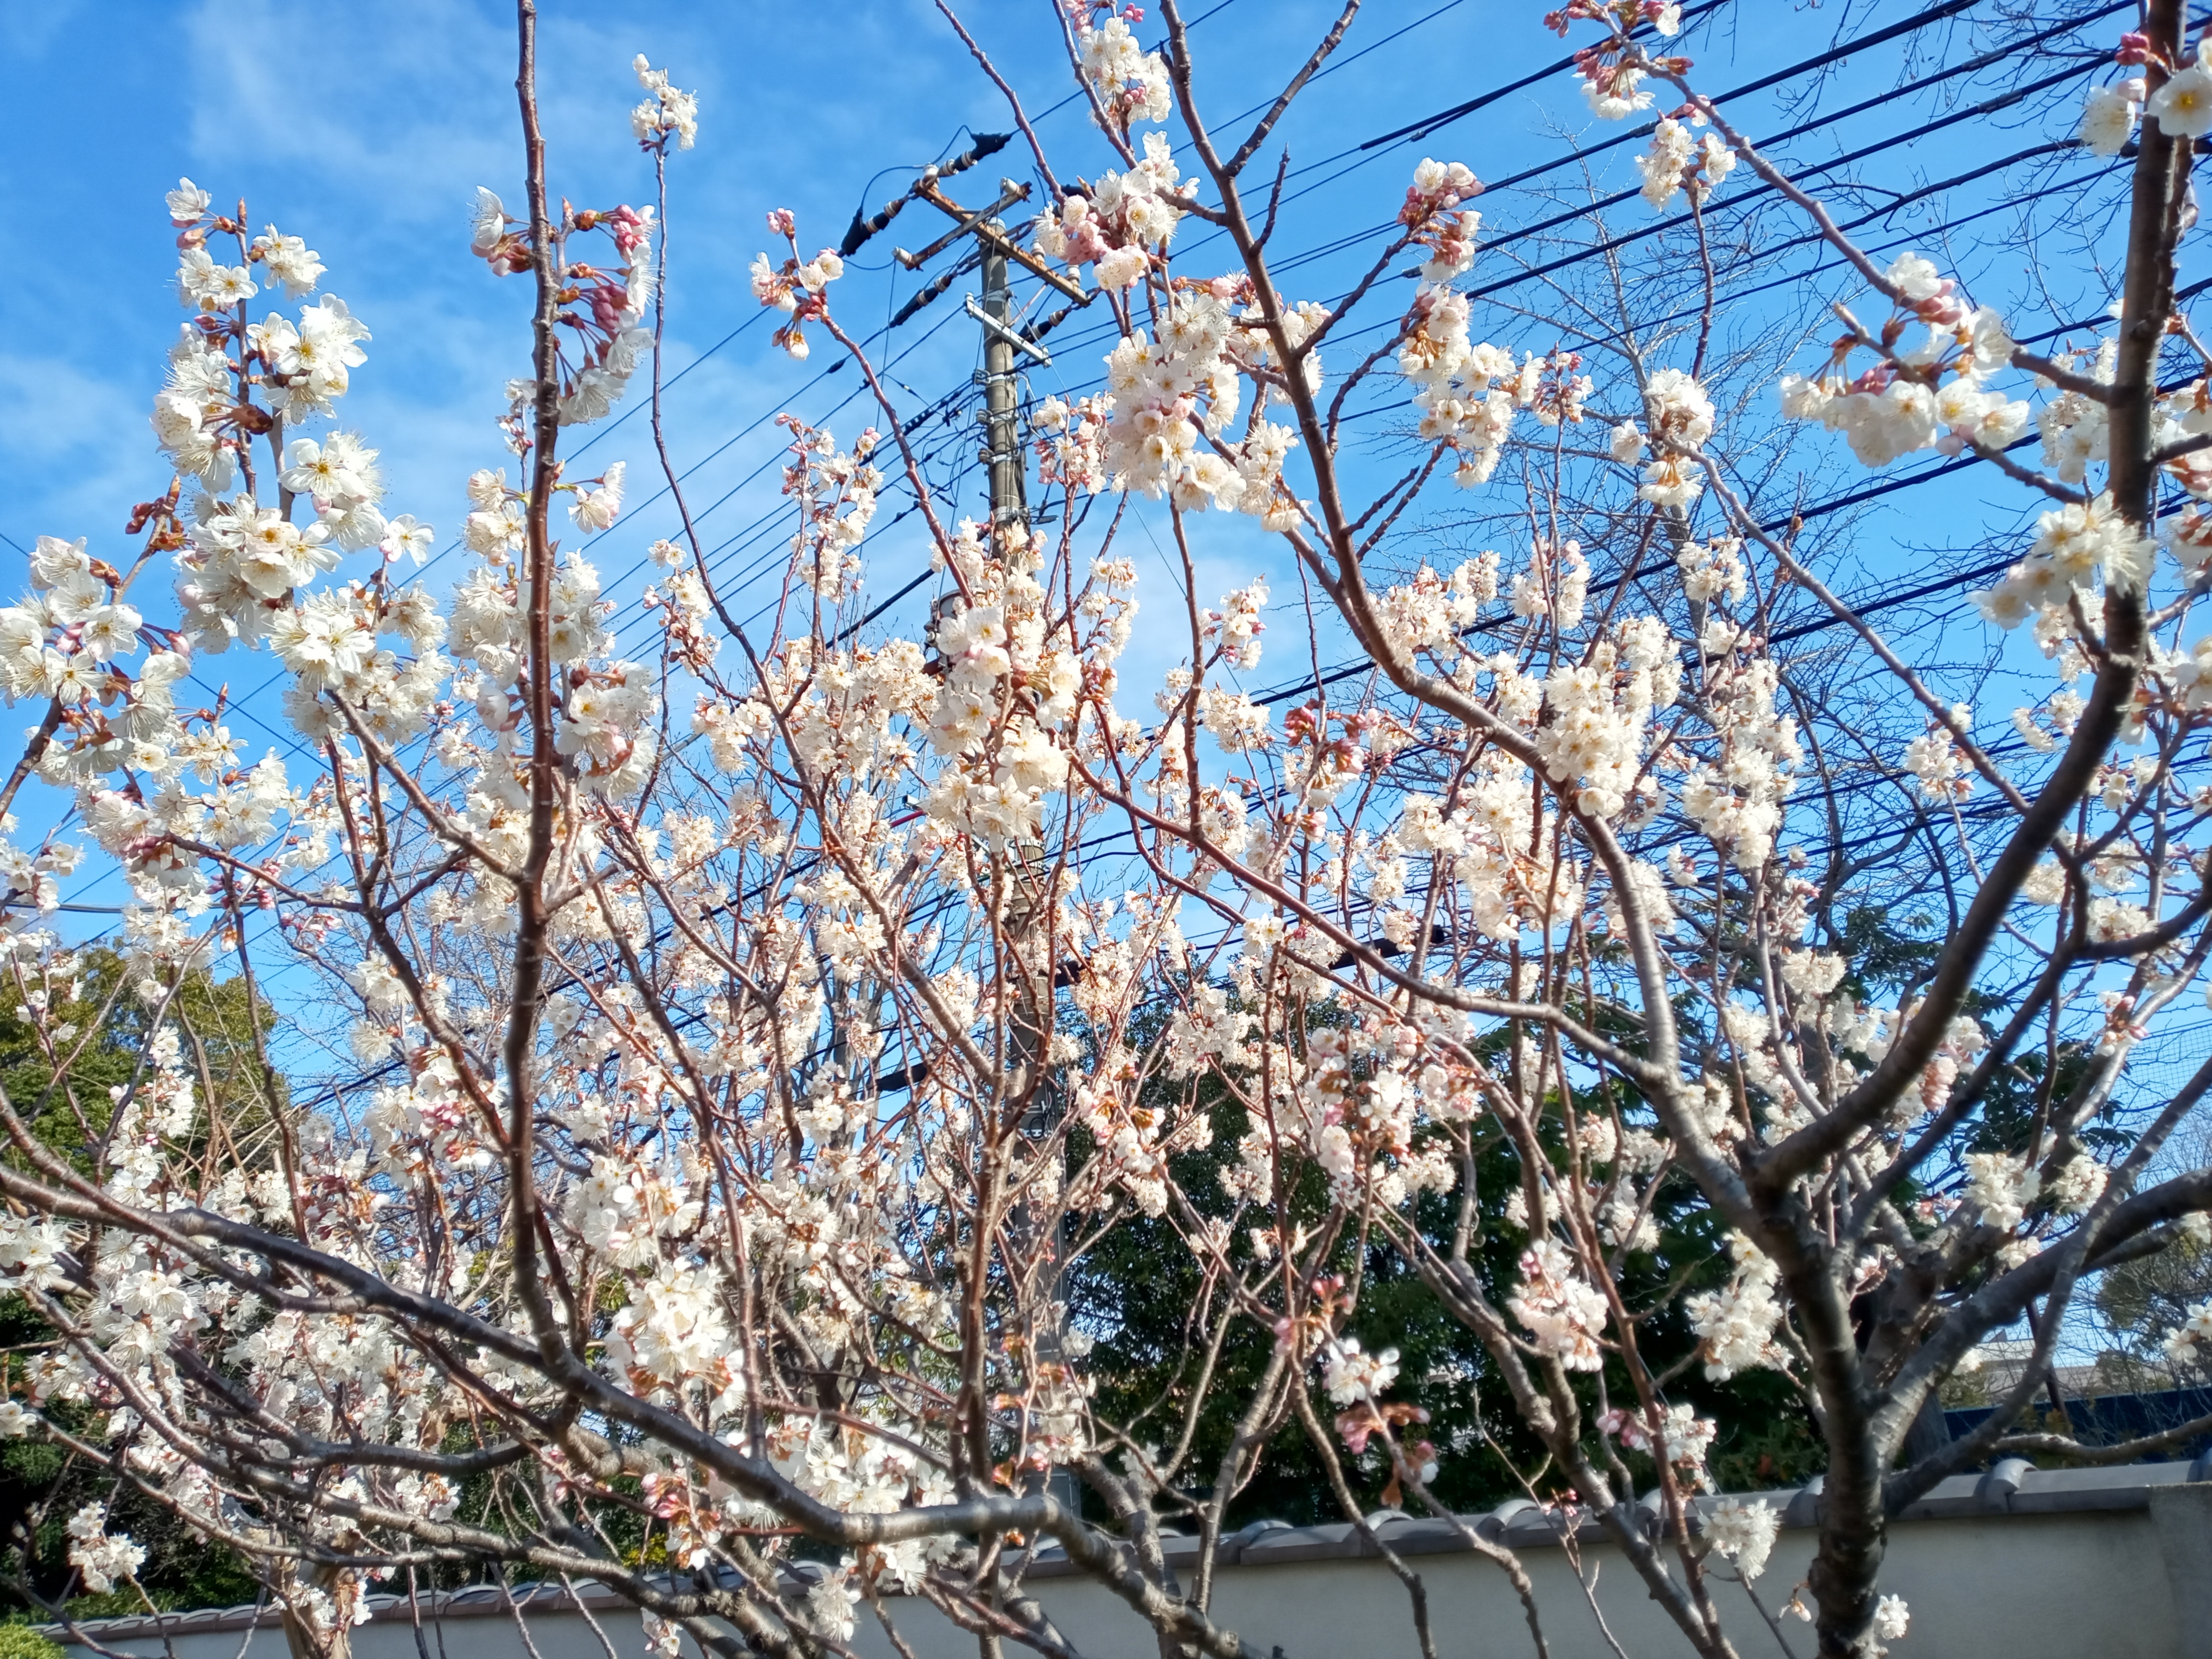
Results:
<point x="365" y="129"/>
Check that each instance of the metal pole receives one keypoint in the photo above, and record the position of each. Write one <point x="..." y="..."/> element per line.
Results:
<point x="1029" y="1032"/>
<point x="1003" y="454"/>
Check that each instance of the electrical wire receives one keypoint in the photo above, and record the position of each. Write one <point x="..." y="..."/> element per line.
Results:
<point x="1937" y="15"/>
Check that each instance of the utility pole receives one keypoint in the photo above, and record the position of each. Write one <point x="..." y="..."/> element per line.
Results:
<point x="1003" y="453"/>
<point x="1037" y="1245"/>
<point x="1025" y="873"/>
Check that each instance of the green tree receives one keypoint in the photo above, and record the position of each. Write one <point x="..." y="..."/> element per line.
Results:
<point x="69" y="1101"/>
<point x="1143" y="1297"/>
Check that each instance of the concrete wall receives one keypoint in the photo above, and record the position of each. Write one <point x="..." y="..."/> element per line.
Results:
<point x="2079" y="1564"/>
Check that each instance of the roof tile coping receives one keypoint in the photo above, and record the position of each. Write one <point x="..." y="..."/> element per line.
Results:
<point x="2013" y="1487"/>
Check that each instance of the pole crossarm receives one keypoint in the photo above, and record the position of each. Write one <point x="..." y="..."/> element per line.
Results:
<point x="992" y="326"/>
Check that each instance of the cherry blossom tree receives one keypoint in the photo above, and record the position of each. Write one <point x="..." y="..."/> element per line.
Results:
<point x="753" y="1034"/>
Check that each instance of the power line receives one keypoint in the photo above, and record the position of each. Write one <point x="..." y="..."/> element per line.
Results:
<point x="1813" y="238"/>
<point x="1427" y="124"/>
<point x="1903" y="483"/>
<point x="1344" y="59"/>
<point x="1744" y="198"/>
<point x="1935" y="15"/>
<point x="1852" y="498"/>
<point x="1823" y="60"/>
<point x="292" y="745"/>
<point x="1804" y="239"/>
<point x="1924" y="20"/>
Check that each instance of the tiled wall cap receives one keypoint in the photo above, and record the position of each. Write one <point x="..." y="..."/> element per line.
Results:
<point x="1958" y="1496"/>
<point x="1234" y="1545"/>
<point x="1532" y="1524"/>
<point x="2013" y="1488"/>
<point x="1306" y="1544"/>
<point x="1803" y="1509"/>
<point x="1273" y="1542"/>
<point x="1492" y="1526"/>
<point x="1994" y="1489"/>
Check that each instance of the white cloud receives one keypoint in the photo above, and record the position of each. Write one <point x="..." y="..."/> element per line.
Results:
<point x="421" y="109"/>
<point x="84" y="436"/>
<point x="27" y="31"/>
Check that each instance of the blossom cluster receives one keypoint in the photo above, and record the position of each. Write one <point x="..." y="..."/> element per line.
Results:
<point x="668" y="113"/>
<point x="791" y="987"/>
<point x="1128" y="84"/>
<point x="1678" y="161"/>
<point x="1934" y="395"/>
